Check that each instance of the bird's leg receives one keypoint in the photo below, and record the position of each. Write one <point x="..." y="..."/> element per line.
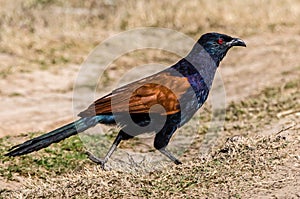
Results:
<point x="169" y="155"/>
<point x="109" y="153"/>
<point x="162" y="139"/>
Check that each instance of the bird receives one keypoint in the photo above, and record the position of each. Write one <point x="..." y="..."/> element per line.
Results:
<point x="160" y="103"/>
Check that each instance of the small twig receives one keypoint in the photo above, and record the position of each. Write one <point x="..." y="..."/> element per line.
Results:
<point x="288" y="112"/>
<point x="285" y="129"/>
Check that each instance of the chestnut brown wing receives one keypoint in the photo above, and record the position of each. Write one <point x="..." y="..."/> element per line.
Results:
<point x="138" y="97"/>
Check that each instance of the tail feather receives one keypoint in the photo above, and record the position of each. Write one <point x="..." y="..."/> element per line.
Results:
<point x="54" y="136"/>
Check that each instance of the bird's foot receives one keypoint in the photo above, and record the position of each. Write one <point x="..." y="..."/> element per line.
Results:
<point x="96" y="159"/>
<point x="170" y="156"/>
<point x="177" y="162"/>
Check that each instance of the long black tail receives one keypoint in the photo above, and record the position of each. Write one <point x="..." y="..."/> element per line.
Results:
<point x="54" y="136"/>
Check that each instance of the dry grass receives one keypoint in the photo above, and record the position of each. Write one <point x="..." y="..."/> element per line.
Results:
<point x="245" y="162"/>
<point x="240" y="168"/>
<point x="46" y="33"/>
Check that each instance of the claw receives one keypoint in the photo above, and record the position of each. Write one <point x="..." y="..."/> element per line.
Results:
<point x="96" y="160"/>
<point x="177" y="162"/>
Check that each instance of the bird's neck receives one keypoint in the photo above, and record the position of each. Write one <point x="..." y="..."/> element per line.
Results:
<point x="217" y="56"/>
<point x="204" y="63"/>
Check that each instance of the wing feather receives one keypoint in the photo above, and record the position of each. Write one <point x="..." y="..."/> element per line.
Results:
<point x="138" y="97"/>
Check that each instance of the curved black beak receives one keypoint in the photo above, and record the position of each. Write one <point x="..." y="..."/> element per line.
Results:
<point x="237" y="42"/>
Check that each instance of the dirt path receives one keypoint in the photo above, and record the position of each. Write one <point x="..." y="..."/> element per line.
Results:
<point x="42" y="100"/>
<point x="267" y="61"/>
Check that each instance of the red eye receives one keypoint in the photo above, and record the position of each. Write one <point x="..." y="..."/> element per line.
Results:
<point x="220" y="41"/>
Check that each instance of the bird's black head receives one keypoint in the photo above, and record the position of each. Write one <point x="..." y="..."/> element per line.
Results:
<point x="217" y="44"/>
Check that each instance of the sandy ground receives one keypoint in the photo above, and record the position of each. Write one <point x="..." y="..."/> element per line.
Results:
<point x="42" y="100"/>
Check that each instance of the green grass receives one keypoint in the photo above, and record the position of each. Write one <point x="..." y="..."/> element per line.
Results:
<point x="264" y="107"/>
<point x="57" y="159"/>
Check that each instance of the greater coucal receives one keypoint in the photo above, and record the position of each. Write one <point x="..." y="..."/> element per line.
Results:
<point x="180" y="89"/>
